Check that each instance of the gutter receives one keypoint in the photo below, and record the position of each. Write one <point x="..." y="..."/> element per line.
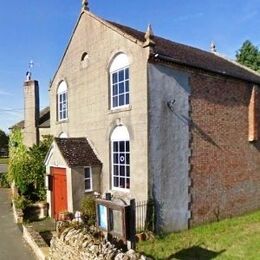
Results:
<point x="158" y="57"/>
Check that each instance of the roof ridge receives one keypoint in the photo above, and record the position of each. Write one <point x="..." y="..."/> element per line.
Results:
<point x="193" y="56"/>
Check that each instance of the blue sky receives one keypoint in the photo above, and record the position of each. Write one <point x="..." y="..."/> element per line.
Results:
<point x="39" y="30"/>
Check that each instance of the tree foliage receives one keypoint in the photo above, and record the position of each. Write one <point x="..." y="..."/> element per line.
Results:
<point x="3" y="139"/>
<point x="26" y="166"/>
<point x="249" y="55"/>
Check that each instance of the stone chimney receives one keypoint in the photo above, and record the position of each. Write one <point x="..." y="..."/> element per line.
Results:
<point x="31" y="112"/>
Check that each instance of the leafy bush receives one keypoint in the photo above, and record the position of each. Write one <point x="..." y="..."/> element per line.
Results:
<point x="26" y="166"/>
<point x="3" y="181"/>
<point x="21" y="202"/>
<point x="88" y="209"/>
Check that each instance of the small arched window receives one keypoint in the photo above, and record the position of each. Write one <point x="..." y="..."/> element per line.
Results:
<point x="120" y="154"/>
<point x="84" y="60"/>
<point x="119" y="81"/>
<point x="62" y="101"/>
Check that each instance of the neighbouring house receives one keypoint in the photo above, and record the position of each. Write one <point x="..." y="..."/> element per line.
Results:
<point x="36" y="123"/>
<point x="143" y="117"/>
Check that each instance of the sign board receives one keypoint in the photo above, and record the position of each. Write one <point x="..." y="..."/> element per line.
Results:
<point x="102" y="217"/>
<point x="113" y="218"/>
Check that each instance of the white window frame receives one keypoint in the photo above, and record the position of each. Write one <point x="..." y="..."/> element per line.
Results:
<point x="62" y="99"/>
<point x="90" y="178"/>
<point x="119" y="64"/>
<point x="120" y="134"/>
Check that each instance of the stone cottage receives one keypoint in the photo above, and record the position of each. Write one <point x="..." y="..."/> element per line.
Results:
<point x="143" y="117"/>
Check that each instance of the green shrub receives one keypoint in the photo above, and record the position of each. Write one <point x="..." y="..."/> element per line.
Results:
<point x="4" y="181"/>
<point x="88" y="209"/>
<point x="26" y="166"/>
<point x="21" y="202"/>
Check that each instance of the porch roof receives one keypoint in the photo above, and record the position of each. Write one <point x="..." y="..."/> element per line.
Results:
<point x="77" y="152"/>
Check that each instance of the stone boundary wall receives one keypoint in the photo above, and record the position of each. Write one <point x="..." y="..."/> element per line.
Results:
<point x="36" y="242"/>
<point x="18" y="214"/>
<point x="80" y="244"/>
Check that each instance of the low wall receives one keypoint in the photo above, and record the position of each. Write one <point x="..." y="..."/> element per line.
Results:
<point x="73" y="243"/>
<point x="36" y="242"/>
<point x="18" y="214"/>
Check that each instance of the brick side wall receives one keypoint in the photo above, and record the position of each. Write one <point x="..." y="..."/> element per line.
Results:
<point x="225" y="166"/>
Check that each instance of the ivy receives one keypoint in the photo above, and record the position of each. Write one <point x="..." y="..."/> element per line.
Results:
<point x="26" y="166"/>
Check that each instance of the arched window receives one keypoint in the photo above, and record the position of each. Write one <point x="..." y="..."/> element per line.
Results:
<point x="62" y="101"/>
<point x="119" y="81"/>
<point x="84" y="60"/>
<point x="120" y="155"/>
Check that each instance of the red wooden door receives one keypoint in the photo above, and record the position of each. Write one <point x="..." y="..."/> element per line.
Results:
<point x="59" y="191"/>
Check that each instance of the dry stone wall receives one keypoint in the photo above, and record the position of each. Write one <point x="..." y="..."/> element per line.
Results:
<point x="73" y="243"/>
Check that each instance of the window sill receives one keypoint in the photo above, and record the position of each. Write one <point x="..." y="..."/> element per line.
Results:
<point x="115" y="189"/>
<point x="62" y="121"/>
<point x="120" y="109"/>
<point x="88" y="191"/>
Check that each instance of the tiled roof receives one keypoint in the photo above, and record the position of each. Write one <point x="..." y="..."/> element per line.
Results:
<point x="77" y="152"/>
<point x="43" y="123"/>
<point x="190" y="56"/>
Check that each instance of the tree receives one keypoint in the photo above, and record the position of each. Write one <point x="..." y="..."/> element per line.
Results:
<point x="3" y="140"/>
<point x="249" y="55"/>
<point x="26" y="166"/>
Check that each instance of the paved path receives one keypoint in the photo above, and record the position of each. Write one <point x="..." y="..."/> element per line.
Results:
<point x="3" y="168"/>
<point x="12" y="245"/>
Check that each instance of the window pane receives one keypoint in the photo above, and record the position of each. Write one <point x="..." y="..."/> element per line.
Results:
<point x="127" y="183"/>
<point x="64" y="105"/>
<point x="116" y="173"/>
<point x="127" y="171"/>
<point x="121" y="88"/>
<point x="122" y="146"/>
<point x="122" y="158"/>
<point x="114" y="76"/>
<point x="122" y="171"/>
<point x="115" y="101"/>
<point x="127" y="146"/>
<point x="127" y="73"/>
<point x="127" y="86"/>
<point x="121" y="100"/>
<point x="127" y="158"/>
<point x="121" y="75"/>
<point x="115" y="158"/>
<point x="122" y="183"/>
<point x="87" y="173"/>
<point x="115" y="89"/>
<point x="87" y="184"/>
<point x="116" y="184"/>
<point x="115" y="144"/>
<point x="127" y="99"/>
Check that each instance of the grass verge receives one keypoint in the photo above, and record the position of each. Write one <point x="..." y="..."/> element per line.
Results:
<point x="236" y="238"/>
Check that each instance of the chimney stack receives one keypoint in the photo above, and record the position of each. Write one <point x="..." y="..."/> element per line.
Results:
<point x="31" y="112"/>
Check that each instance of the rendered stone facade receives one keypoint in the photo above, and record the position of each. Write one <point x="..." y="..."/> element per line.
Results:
<point x="89" y="112"/>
